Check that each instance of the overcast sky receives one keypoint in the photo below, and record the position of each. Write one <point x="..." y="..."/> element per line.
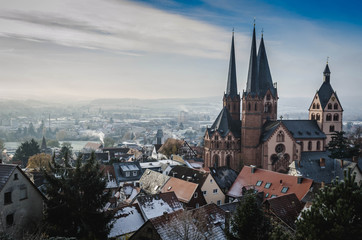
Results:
<point x="85" y="49"/>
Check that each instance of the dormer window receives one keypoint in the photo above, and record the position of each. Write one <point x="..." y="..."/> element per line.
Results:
<point x="128" y="174"/>
<point x="134" y="173"/>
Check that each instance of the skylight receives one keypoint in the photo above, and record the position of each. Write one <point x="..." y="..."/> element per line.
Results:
<point x="285" y="189"/>
<point x="258" y="183"/>
<point x="267" y="185"/>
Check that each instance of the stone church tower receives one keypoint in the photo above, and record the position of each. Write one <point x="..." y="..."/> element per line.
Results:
<point x="326" y="108"/>
<point x="259" y="104"/>
<point x="222" y="139"/>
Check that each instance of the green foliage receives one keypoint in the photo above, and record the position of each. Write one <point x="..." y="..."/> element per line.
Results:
<point x="336" y="212"/>
<point x="26" y="150"/>
<point x="76" y="199"/>
<point x="53" y="143"/>
<point x="66" y="151"/>
<point x="109" y="142"/>
<point x="249" y="221"/>
<point x="340" y="147"/>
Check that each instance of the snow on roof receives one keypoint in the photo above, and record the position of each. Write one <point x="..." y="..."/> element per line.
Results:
<point x="128" y="220"/>
<point x="111" y="184"/>
<point x="129" y="167"/>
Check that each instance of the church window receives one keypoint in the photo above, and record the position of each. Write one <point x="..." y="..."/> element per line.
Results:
<point x="216" y="160"/>
<point x="313" y="116"/>
<point x="249" y="106"/>
<point x="234" y="107"/>
<point x="268" y="97"/>
<point x="317" y="105"/>
<point x="216" y="138"/>
<point x="313" y="105"/>
<point x="228" y="145"/>
<point x="280" y="148"/>
<point x="228" y="160"/>
<point x="318" y="145"/>
<point x="318" y="117"/>
<point x="286" y="157"/>
<point x="310" y="145"/>
<point x="301" y="146"/>
<point x="335" y="117"/>
<point x="255" y="108"/>
<point x="217" y="145"/>
<point x="335" y="106"/>
<point x="329" y="117"/>
<point x="229" y="138"/>
<point x="274" y="158"/>
<point x="280" y="137"/>
<point x="329" y="105"/>
<point x="331" y="128"/>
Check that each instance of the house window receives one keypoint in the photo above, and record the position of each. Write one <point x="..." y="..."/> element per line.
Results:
<point x="318" y="145"/>
<point x="335" y="117"/>
<point x="267" y="185"/>
<point x="195" y="195"/>
<point x="284" y="189"/>
<point x="258" y="183"/>
<point x="331" y="128"/>
<point x="214" y="191"/>
<point x="7" y="198"/>
<point x="128" y="174"/>
<point x="218" y="202"/>
<point x="16" y="176"/>
<point x="134" y="173"/>
<point x="329" y="117"/>
<point x="10" y="219"/>
<point x="211" y="180"/>
<point x="335" y="106"/>
<point x="329" y="105"/>
<point x="310" y="145"/>
<point x="204" y="192"/>
<point x="23" y="193"/>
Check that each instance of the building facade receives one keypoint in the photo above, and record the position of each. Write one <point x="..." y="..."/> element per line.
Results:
<point x="247" y="130"/>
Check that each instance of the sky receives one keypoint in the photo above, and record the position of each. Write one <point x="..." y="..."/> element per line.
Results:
<point x="88" y="49"/>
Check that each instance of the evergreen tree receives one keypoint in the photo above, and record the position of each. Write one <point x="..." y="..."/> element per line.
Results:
<point x="66" y="150"/>
<point x="26" y="150"/>
<point x="336" y="212"/>
<point x="249" y="221"/>
<point x="76" y="201"/>
<point x="340" y="147"/>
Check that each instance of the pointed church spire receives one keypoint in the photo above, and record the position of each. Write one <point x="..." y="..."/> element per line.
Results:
<point x="252" y="85"/>
<point x="231" y="89"/>
<point x="327" y="74"/>
<point x="264" y="76"/>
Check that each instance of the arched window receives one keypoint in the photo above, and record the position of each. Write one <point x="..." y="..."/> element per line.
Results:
<point x="318" y="117"/>
<point x="317" y="105"/>
<point x="249" y="107"/>
<point x="274" y="158"/>
<point x="329" y="105"/>
<point x="228" y="160"/>
<point x="313" y="105"/>
<point x="313" y="116"/>
<point x="301" y="146"/>
<point x="280" y="148"/>
<point x="329" y="117"/>
<point x="268" y="107"/>
<point x="331" y="128"/>
<point x="280" y="136"/>
<point x="268" y="97"/>
<point x="336" y="106"/>
<point x="335" y="117"/>
<point x="256" y="108"/>
<point x="286" y="157"/>
<point x="227" y="145"/>
<point x="318" y="145"/>
<point x="216" y="160"/>
<point x="310" y="145"/>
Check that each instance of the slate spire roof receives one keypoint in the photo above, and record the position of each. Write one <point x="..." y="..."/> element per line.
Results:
<point x="231" y="89"/>
<point x="325" y="91"/>
<point x="252" y="83"/>
<point x="264" y="76"/>
<point x="225" y="123"/>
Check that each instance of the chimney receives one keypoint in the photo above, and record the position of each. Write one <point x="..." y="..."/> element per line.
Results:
<point x="322" y="162"/>
<point x="253" y="168"/>
<point x="300" y="179"/>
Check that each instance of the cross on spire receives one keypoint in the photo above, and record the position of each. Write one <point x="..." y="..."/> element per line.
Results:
<point x="281" y="117"/>
<point x="254" y="21"/>
<point x="327" y="59"/>
<point x="262" y="32"/>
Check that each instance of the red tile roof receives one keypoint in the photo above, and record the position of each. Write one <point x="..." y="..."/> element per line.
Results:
<point x="278" y="181"/>
<point x="184" y="190"/>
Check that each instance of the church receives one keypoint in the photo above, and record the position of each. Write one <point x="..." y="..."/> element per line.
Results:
<point x="247" y="130"/>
